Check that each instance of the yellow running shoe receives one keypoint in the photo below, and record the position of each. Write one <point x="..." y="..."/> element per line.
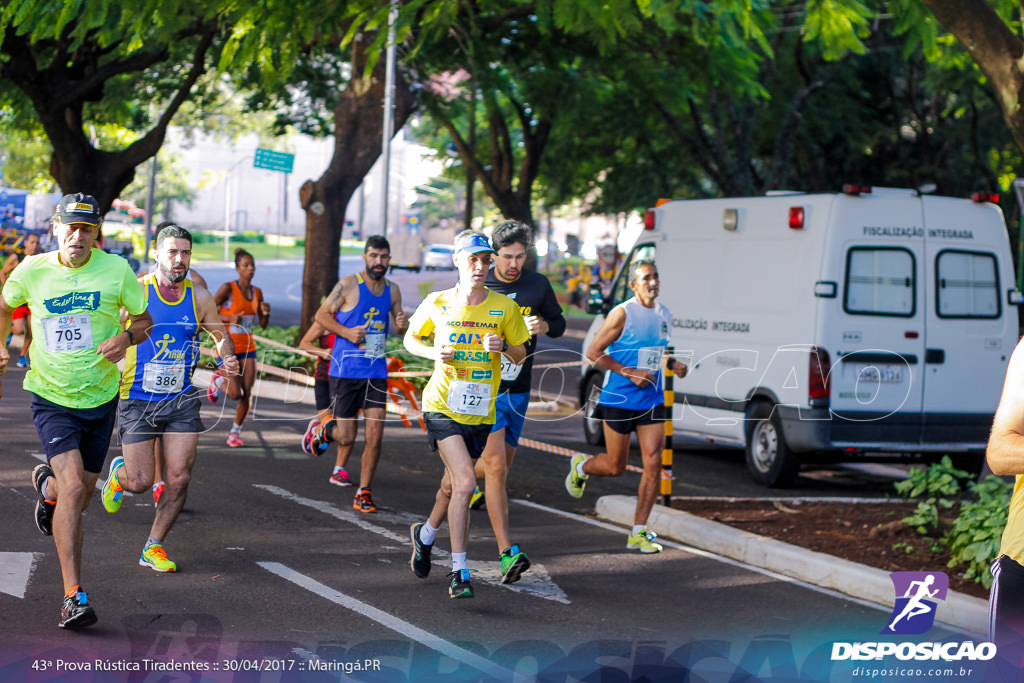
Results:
<point x="644" y="542"/>
<point x="155" y="558"/>
<point x="112" y="492"/>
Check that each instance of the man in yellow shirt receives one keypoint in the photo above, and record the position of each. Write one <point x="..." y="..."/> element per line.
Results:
<point x="76" y="294"/>
<point x="470" y="327"/>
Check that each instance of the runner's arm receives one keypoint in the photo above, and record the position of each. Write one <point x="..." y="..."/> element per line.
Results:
<point x="398" y="317"/>
<point x="222" y="295"/>
<point x="551" y="312"/>
<point x="262" y="309"/>
<point x="609" y="332"/>
<point x="211" y="322"/>
<point x="6" y="315"/>
<point x="308" y="341"/>
<point x="330" y="306"/>
<point x="140" y="325"/>
<point x="1005" y="452"/>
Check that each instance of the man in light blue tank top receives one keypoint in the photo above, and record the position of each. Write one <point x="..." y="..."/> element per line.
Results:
<point x="359" y="311"/>
<point x="630" y="347"/>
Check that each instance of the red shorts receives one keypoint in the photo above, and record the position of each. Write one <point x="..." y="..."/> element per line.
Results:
<point x="20" y="312"/>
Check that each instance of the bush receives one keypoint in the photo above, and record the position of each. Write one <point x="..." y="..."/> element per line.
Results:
<point x="974" y="537"/>
<point x="976" y="534"/>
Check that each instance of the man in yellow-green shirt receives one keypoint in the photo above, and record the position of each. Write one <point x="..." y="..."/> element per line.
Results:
<point x="471" y="327"/>
<point x="76" y="294"/>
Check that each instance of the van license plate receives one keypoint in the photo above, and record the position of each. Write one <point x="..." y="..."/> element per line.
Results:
<point x="884" y="374"/>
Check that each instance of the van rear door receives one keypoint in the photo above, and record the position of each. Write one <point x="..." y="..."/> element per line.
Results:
<point x="874" y="328"/>
<point x="970" y="328"/>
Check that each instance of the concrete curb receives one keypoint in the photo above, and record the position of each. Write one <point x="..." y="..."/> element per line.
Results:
<point x="856" y="580"/>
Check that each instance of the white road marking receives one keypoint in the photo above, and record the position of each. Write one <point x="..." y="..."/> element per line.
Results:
<point x="15" y="572"/>
<point x="536" y="581"/>
<point x="395" y="624"/>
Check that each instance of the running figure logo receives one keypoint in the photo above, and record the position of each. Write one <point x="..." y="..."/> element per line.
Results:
<point x="916" y="596"/>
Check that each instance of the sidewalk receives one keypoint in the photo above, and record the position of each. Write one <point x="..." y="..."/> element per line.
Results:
<point x="963" y="612"/>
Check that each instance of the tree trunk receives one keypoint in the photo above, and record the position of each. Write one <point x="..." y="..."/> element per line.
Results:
<point x="358" y="131"/>
<point x="995" y="48"/>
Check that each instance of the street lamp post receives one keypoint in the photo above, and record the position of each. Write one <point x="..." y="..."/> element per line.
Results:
<point x="227" y="205"/>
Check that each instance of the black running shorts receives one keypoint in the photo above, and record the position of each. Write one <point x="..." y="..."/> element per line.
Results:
<point x="440" y="427"/>
<point x="351" y="395"/>
<point x="63" y="429"/>
<point x="624" y="420"/>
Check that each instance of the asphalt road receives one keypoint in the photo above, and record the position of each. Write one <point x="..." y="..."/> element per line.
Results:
<point x="278" y="570"/>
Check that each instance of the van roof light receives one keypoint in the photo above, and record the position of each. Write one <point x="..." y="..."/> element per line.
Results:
<point x="649" y="219"/>
<point x="982" y="197"/>
<point x="856" y="190"/>
<point x="796" y="217"/>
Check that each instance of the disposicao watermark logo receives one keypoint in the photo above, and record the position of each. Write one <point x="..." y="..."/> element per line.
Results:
<point x="916" y="596"/>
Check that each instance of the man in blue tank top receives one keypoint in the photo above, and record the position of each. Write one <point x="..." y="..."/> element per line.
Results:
<point x="630" y="347"/>
<point x="158" y="399"/>
<point x="359" y="311"/>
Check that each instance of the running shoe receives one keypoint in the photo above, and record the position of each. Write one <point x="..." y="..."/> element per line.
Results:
<point x="420" y="561"/>
<point x="158" y="490"/>
<point x="213" y="391"/>
<point x="460" y="586"/>
<point x="76" y="611"/>
<point x="155" y="558"/>
<point x="113" y="492"/>
<point x="309" y="443"/>
<point x="477" y="499"/>
<point x="363" y="501"/>
<point x="513" y="564"/>
<point x="644" y="542"/>
<point x="234" y="440"/>
<point x="340" y="478"/>
<point x="22" y="362"/>
<point x="574" y="483"/>
<point x="44" y="508"/>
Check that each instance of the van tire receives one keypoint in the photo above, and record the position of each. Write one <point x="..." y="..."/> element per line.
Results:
<point x="770" y="461"/>
<point x="593" y="427"/>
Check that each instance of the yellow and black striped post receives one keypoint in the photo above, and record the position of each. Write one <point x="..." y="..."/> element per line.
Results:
<point x="666" y="452"/>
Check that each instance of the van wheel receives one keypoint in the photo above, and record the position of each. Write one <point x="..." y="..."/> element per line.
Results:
<point x="769" y="459"/>
<point x="593" y="427"/>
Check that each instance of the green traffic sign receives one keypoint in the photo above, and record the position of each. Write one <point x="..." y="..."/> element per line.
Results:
<point x="273" y="161"/>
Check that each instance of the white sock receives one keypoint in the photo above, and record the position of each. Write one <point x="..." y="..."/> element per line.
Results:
<point x="637" y="528"/>
<point x="338" y="468"/>
<point x="579" y="468"/>
<point x="43" y="487"/>
<point x="218" y="381"/>
<point x="427" y="533"/>
<point x="459" y="561"/>
<point x="236" y="428"/>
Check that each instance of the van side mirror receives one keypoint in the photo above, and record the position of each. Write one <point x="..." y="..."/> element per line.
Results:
<point x="1014" y="297"/>
<point x="595" y="300"/>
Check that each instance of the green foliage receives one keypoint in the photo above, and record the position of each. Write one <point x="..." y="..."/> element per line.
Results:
<point x="976" y="533"/>
<point x="272" y="355"/>
<point x="940" y="479"/>
<point x="974" y="537"/>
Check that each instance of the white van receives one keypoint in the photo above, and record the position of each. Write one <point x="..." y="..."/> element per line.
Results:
<point x="830" y="327"/>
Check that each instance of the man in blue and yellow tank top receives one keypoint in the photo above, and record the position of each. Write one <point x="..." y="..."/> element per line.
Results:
<point x="630" y="347"/>
<point x="157" y="395"/>
<point x="359" y="311"/>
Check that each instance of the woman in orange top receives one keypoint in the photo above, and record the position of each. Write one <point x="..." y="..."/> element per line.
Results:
<point x="240" y="305"/>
